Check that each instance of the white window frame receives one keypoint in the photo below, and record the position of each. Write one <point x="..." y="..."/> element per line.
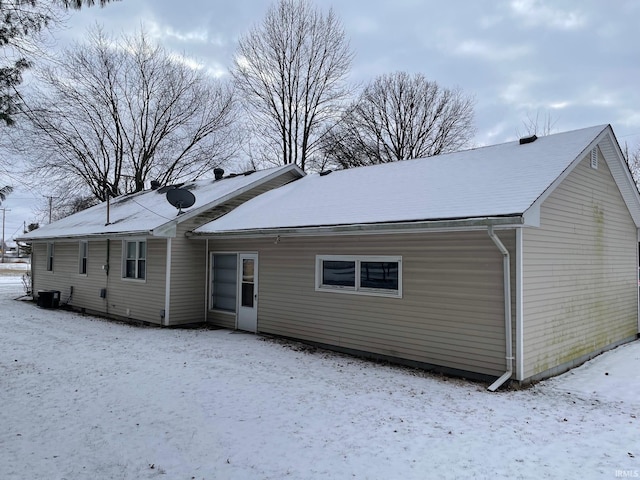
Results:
<point x="83" y="254"/>
<point x="137" y="241"/>
<point x="357" y="289"/>
<point x="50" y="256"/>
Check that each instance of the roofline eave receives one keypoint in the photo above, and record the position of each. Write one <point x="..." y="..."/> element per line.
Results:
<point x="92" y="236"/>
<point x="478" y="223"/>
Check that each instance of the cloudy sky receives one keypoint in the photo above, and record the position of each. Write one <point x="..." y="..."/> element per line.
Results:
<point x="575" y="62"/>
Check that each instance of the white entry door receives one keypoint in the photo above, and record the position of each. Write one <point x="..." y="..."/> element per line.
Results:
<point x="248" y="292"/>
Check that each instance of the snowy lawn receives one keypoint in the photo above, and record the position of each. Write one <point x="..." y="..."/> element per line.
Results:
<point x="85" y="398"/>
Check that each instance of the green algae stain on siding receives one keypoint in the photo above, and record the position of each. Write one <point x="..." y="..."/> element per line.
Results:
<point x="599" y="230"/>
<point x="568" y="344"/>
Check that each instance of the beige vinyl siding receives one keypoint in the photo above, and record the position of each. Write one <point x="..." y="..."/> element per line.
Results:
<point x="451" y="313"/>
<point x="222" y="319"/>
<point x="188" y="277"/>
<point x="145" y="299"/>
<point x="142" y="299"/>
<point x="189" y="263"/>
<point x="580" y="272"/>
<point x="65" y="274"/>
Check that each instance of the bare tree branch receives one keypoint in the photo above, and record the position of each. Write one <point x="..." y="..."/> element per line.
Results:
<point x="115" y="114"/>
<point x="291" y="70"/>
<point x="400" y="116"/>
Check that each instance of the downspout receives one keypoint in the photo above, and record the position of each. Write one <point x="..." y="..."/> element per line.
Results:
<point x="506" y="267"/>
<point x="106" y="271"/>
<point x="207" y="280"/>
<point x="164" y="314"/>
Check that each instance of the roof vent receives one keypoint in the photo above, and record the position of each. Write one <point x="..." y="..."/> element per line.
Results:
<point x="594" y="158"/>
<point x="529" y="139"/>
<point x="325" y="172"/>
<point x="155" y="184"/>
<point x="218" y="173"/>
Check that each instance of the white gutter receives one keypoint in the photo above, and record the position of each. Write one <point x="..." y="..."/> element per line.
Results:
<point x="506" y="267"/>
<point x="420" y="226"/>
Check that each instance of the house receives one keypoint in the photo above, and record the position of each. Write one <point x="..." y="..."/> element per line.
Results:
<point x="514" y="261"/>
<point x="129" y="258"/>
<point x="509" y="262"/>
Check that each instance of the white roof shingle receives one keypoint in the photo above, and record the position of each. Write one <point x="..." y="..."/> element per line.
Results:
<point x="143" y="212"/>
<point x="499" y="180"/>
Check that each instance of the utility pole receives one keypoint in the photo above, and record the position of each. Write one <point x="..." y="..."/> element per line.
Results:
<point x="4" y="212"/>
<point x="50" y="207"/>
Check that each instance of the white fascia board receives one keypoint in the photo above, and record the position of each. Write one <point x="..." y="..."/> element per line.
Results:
<point x="220" y="201"/>
<point x="532" y="216"/>
<point x="576" y="161"/>
<point x="168" y="230"/>
<point x="621" y="173"/>
<point x="92" y="236"/>
<point x="469" y="224"/>
<point x="614" y="158"/>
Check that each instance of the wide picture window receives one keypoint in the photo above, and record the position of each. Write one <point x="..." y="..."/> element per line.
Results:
<point x="364" y="275"/>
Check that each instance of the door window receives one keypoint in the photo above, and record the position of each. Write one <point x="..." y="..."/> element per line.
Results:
<point x="248" y="282"/>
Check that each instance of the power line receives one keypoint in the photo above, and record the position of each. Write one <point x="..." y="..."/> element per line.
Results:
<point x="4" y="212"/>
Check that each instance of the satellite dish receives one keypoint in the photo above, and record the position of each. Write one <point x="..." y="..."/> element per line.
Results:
<point x="180" y="198"/>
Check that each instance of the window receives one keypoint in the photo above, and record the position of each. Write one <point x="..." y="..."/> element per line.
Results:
<point x="364" y="275"/>
<point x="83" y="250"/>
<point x="224" y="281"/>
<point x="49" y="257"/>
<point x="135" y="259"/>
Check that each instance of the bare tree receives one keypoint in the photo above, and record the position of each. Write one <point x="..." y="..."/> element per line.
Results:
<point x="4" y="191"/>
<point x="116" y="113"/>
<point x="21" y="22"/>
<point x="538" y="126"/>
<point x="633" y="160"/>
<point x="400" y="116"/>
<point x="291" y="70"/>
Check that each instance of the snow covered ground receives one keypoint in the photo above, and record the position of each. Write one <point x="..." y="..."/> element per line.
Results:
<point x="85" y="398"/>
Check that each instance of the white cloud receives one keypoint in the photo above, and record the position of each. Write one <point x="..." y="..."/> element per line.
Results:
<point x="194" y="36"/>
<point x="363" y="24"/>
<point x="535" y="14"/>
<point x="518" y="91"/>
<point x="187" y="61"/>
<point x="491" y="52"/>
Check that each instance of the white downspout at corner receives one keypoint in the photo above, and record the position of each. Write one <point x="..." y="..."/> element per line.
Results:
<point x="519" y="333"/>
<point x="638" y="263"/>
<point x="207" y="276"/>
<point x="506" y="268"/>
<point x="167" y="288"/>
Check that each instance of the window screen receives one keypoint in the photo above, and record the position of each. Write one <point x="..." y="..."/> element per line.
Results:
<point x="224" y="282"/>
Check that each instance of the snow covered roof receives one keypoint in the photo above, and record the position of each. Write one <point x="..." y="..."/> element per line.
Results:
<point x="149" y="212"/>
<point x="496" y="181"/>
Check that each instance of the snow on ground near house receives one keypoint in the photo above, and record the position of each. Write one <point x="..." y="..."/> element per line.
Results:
<point x="14" y="268"/>
<point x="82" y="397"/>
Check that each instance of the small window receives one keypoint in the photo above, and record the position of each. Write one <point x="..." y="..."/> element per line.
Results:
<point x="50" y="249"/>
<point x="224" y="282"/>
<point x="83" y="251"/>
<point x="364" y="275"/>
<point x="379" y="275"/>
<point x="135" y="259"/>
<point x="339" y="273"/>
